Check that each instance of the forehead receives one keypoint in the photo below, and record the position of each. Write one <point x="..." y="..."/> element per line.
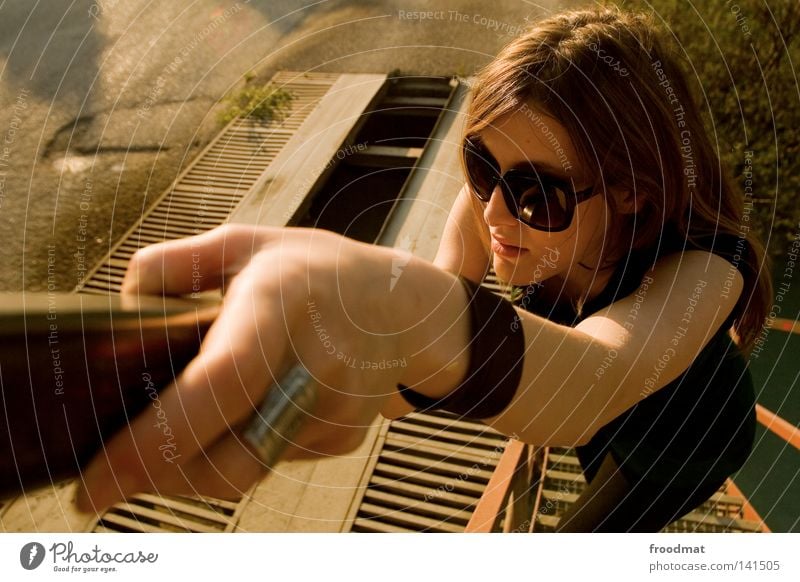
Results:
<point x="530" y="135"/>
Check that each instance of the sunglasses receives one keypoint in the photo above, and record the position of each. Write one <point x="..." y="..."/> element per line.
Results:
<point x="534" y="198"/>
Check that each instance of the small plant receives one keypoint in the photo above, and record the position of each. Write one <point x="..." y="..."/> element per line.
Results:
<point x="262" y="103"/>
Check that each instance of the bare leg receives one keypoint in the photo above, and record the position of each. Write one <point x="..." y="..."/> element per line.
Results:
<point x="611" y="504"/>
<point x="601" y="496"/>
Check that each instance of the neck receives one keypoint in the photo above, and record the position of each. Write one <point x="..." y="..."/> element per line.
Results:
<point x="587" y="279"/>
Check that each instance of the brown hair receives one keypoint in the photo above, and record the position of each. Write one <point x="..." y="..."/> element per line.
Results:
<point x="609" y="79"/>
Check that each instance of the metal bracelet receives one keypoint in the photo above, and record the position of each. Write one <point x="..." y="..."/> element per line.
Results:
<point x="279" y="417"/>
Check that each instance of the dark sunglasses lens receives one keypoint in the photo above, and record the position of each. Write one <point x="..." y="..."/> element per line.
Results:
<point x="481" y="172"/>
<point x="542" y="205"/>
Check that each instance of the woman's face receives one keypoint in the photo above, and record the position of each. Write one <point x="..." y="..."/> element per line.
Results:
<point x="521" y="254"/>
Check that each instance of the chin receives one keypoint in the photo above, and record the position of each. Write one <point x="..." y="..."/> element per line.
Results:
<point x="524" y="272"/>
<point x="511" y="272"/>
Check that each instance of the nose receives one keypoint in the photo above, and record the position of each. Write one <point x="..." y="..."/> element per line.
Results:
<point x="496" y="213"/>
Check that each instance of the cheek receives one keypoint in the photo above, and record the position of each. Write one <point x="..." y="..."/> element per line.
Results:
<point x="593" y="217"/>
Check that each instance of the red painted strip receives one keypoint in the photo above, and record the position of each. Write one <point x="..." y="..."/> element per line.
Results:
<point x="496" y="493"/>
<point x="540" y="489"/>
<point x="787" y="325"/>
<point x="781" y="427"/>
<point x="748" y="511"/>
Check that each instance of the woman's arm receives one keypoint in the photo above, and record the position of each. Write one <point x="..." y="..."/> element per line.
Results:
<point x="321" y="299"/>
<point x="581" y="378"/>
<point x="462" y="250"/>
<point x="291" y="295"/>
<point x="576" y="380"/>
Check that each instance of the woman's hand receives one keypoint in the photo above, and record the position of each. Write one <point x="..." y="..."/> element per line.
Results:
<point x="290" y="295"/>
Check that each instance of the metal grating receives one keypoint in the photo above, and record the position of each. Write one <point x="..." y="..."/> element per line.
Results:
<point x="564" y="482"/>
<point x="208" y="190"/>
<point x="429" y="475"/>
<point x="151" y="514"/>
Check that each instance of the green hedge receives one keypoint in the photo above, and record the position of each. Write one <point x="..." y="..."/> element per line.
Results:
<point x="743" y="58"/>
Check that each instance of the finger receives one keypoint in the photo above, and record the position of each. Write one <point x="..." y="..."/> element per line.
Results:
<point x="228" y="468"/>
<point x="225" y="471"/>
<point x="196" y="263"/>
<point x="215" y="391"/>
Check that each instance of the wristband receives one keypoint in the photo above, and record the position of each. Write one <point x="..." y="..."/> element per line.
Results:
<point x="497" y="350"/>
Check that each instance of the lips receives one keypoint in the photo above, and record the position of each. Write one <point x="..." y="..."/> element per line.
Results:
<point x="502" y="248"/>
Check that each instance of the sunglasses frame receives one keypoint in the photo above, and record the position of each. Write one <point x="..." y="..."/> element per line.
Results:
<point x="514" y="175"/>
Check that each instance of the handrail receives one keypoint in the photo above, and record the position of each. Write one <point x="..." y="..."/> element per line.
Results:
<point x="783" y="428"/>
<point x="497" y="490"/>
<point x="787" y="325"/>
<point x="539" y="489"/>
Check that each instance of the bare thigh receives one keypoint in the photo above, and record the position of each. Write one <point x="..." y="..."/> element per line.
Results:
<point x="612" y="504"/>
<point x="606" y="491"/>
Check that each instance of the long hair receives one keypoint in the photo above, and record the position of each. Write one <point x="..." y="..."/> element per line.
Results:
<point x="608" y="78"/>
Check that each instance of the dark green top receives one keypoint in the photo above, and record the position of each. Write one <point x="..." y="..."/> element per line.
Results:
<point x="697" y="429"/>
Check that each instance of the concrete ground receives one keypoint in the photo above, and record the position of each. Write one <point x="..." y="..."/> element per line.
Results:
<point x="105" y="101"/>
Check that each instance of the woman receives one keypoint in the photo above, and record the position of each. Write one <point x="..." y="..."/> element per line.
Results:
<point x="591" y="186"/>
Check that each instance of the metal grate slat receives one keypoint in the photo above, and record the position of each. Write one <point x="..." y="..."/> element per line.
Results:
<point x="213" y="184"/>
<point x="151" y="513"/>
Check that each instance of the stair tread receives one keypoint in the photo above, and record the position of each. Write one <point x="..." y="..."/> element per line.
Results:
<point x="702" y="517"/>
<point x="568" y="459"/>
<point x="563" y="496"/>
<point x="565" y="475"/>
